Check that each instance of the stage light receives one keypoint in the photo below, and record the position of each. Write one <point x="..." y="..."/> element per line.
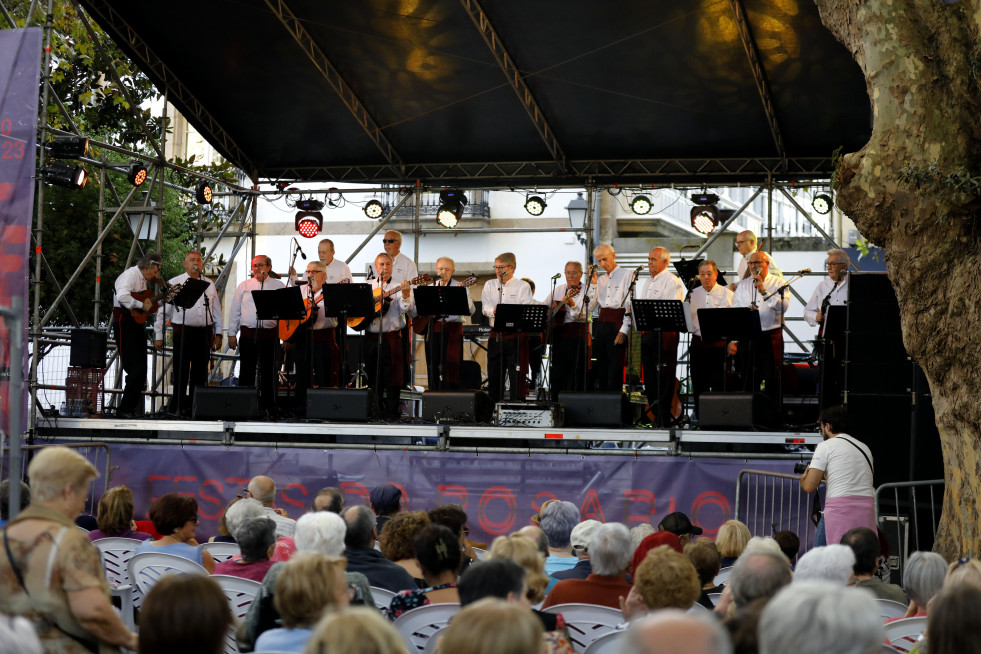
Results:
<point x="64" y="174"/>
<point x="374" y="209"/>
<point x="704" y="218"/>
<point x="450" y="209"/>
<point x="309" y="220"/>
<point x="707" y="199"/>
<point x="137" y="173"/>
<point x="203" y="193"/>
<point x="822" y="203"/>
<point x="641" y="205"/>
<point x="535" y="205"/>
<point x="68" y="147"/>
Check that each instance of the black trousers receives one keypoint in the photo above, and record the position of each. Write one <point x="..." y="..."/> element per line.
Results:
<point x="259" y="362"/>
<point x="707" y="373"/>
<point x="192" y="352"/>
<point x="380" y="375"/>
<point x="439" y="351"/>
<point x="567" y="359"/>
<point x="608" y="358"/>
<point x="131" y="340"/>
<point x="504" y="357"/>
<point x="761" y="363"/>
<point x="659" y="382"/>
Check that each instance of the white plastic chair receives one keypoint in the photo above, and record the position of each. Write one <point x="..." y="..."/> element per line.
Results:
<point x="433" y="640"/>
<point x="222" y="551"/>
<point x="902" y="634"/>
<point x="240" y="593"/>
<point x="383" y="598"/>
<point x="587" y="622"/>
<point x="418" y="625"/>
<point x="723" y="576"/>
<point x="889" y="609"/>
<point x="481" y="554"/>
<point x="697" y="608"/>
<point x="116" y="553"/>
<point x="715" y="598"/>
<point x="146" y="568"/>
<point x="606" y="644"/>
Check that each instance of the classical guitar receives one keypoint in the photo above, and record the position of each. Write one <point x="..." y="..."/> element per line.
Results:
<point x="570" y="293"/>
<point x="382" y="302"/>
<point x="288" y="327"/>
<point x="420" y="323"/>
<point x="139" y="315"/>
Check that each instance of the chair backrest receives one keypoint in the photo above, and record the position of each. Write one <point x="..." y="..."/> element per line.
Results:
<point x="607" y="643"/>
<point x="587" y="622"/>
<point x="697" y="608"/>
<point x="383" y="598"/>
<point x="146" y="568"/>
<point x="116" y="553"/>
<point x="240" y="593"/>
<point x="723" y="576"/>
<point x="433" y="640"/>
<point x="222" y="551"/>
<point x="889" y="609"/>
<point x="902" y="634"/>
<point x="481" y="554"/>
<point x="715" y="598"/>
<point x="417" y="625"/>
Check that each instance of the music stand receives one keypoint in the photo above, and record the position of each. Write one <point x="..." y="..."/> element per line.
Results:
<point x="832" y="341"/>
<point x="343" y="301"/>
<point x="191" y="291"/>
<point x="688" y="272"/>
<point x="729" y="324"/>
<point x="660" y="316"/>
<point x="279" y="304"/>
<point x="440" y="302"/>
<point x="521" y="319"/>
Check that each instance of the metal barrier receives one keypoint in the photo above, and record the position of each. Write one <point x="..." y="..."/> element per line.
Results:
<point x="772" y="502"/>
<point x="908" y="510"/>
<point x="96" y="453"/>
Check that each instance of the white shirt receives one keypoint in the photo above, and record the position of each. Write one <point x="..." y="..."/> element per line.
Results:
<point x="744" y="263"/>
<point x="394" y="318"/>
<point x="453" y="282"/>
<point x="403" y="268"/>
<point x="771" y="309"/>
<point x="516" y="291"/>
<point x="338" y="271"/>
<point x="196" y="316"/>
<point x="839" y="297"/>
<point x="129" y="281"/>
<point x="243" y="306"/>
<point x="611" y="288"/>
<point x="317" y="318"/>
<point x="846" y="472"/>
<point x="718" y="297"/>
<point x="663" y="286"/>
<point x="574" y="313"/>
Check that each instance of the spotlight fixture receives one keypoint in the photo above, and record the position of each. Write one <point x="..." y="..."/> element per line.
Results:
<point x="374" y="209"/>
<point x="535" y="205"/>
<point x="68" y="147"/>
<point x="704" y="218"/>
<point x="451" y="203"/>
<point x="641" y="205"/>
<point x="309" y="220"/>
<point x="137" y="173"/>
<point x="704" y="198"/>
<point x="64" y="174"/>
<point x="822" y="203"/>
<point x="203" y="193"/>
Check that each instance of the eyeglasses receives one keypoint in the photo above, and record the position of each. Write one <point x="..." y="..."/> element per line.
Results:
<point x="390" y="240"/>
<point x="501" y="267"/>
<point x="316" y="272"/>
<point x="832" y="264"/>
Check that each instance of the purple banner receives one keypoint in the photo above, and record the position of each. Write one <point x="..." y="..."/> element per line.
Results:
<point x="20" y="67"/>
<point x="500" y="492"/>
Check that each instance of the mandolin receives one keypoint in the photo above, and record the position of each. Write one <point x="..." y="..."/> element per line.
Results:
<point x="139" y="315"/>
<point x="420" y="323"/>
<point x="570" y="293"/>
<point x="381" y="302"/>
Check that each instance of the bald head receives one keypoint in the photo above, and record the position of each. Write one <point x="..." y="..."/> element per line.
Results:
<point x="535" y="533"/>
<point x="676" y="632"/>
<point x="263" y="489"/>
<point x="445" y="267"/>
<point x="657" y="260"/>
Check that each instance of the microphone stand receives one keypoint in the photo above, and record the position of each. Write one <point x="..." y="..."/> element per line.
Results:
<point x="505" y="373"/>
<point x="378" y="351"/>
<point x="631" y="290"/>
<point x="586" y="312"/>
<point x="546" y="374"/>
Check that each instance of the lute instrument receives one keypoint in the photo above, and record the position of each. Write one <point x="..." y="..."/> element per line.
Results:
<point x="139" y="315"/>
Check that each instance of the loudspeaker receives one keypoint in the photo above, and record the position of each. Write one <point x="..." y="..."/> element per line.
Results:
<point x="470" y="375"/>
<point x="594" y="409"/>
<point x="735" y="411"/>
<point x="341" y="404"/>
<point x="226" y="403"/>
<point x="88" y="348"/>
<point x="467" y="406"/>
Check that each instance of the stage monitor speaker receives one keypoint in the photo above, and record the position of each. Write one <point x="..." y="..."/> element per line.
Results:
<point x="744" y="411"/>
<point x="88" y="349"/>
<point x="226" y="403"/>
<point x="464" y="406"/>
<point x="470" y="375"/>
<point x="341" y="404"/>
<point x="594" y="409"/>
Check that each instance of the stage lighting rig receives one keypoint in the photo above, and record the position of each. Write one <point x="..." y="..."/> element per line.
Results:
<point x="203" y="193"/>
<point x="64" y="174"/>
<point x="450" y="211"/>
<point x="137" y="173"/>
<point x="309" y="220"/>
<point x="641" y="205"/>
<point x="374" y="209"/>
<point x="704" y="215"/>
<point x="535" y="205"/>
<point x="68" y="147"/>
<point x="822" y="203"/>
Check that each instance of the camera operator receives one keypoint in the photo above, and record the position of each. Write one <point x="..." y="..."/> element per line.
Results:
<point x="845" y="465"/>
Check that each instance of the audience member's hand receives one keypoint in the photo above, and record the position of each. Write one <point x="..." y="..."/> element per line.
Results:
<point x="725" y="600"/>
<point x="633" y="606"/>
<point x="281" y="512"/>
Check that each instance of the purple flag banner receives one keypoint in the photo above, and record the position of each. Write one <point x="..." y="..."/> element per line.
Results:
<point x="500" y="492"/>
<point x="20" y="68"/>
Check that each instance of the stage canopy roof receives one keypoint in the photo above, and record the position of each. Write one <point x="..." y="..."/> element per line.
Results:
<point x="504" y="92"/>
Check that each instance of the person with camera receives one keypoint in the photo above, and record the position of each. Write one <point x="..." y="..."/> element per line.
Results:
<point x="845" y="465"/>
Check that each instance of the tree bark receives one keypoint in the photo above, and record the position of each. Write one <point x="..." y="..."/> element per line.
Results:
<point x="913" y="190"/>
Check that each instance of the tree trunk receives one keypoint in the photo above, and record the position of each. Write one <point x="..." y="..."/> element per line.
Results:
<point x="913" y="190"/>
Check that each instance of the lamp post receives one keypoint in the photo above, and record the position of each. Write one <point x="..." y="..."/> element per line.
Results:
<point x="578" y="210"/>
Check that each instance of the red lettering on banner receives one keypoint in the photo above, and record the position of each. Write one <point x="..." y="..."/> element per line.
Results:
<point x="149" y="481"/>
<point x="178" y="479"/>
<point x="289" y="500"/>
<point x="640" y="495"/>
<point x="217" y="501"/>
<point x="710" y="498"/>
<point x="540" y="498"/>
<point x="355" y="488"/>
<point x="591" y="507"/>
<point x="497" y="493"/>
<point x="447" y="491"/>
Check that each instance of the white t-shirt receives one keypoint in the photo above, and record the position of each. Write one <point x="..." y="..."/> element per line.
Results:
<point x="846" y="472"/>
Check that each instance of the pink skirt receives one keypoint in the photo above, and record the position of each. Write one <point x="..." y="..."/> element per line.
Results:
<point x="844" y="513"/>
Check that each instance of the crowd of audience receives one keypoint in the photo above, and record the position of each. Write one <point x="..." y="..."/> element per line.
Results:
<point x="316" y="576"/>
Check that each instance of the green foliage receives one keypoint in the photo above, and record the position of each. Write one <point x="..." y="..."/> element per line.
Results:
<point x="836" y="159"/>
<point x="956" y="187"/>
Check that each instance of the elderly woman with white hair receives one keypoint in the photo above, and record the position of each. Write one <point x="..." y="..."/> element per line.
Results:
<point x="50" y="572"/>
<point x="834" y="563"/>
<point x="923" y="577"/>
<point x="558" y="520"/>
<point x="321" y="532"/>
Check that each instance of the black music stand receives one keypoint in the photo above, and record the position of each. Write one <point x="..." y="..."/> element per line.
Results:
<point x="832" y="348"/>
<point x="521" y="319"/>
<point x="660" y="316"/>
<point x="279" y="304"/>
<point x="729" y="324"/>
<point x="440" y="302"/>
<point x="191" y="291"/>
<point x="343" y="301"/>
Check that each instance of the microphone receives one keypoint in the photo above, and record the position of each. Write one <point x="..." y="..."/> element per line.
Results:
<point x="803" y="272"/>
<point x="556" y="276"/>
<point x="299" y="249"/>
<point x="198" y="270"/>
<point x="301" y="283"/>
<point x="274" y="275"/>
<point x="639" y="268"/>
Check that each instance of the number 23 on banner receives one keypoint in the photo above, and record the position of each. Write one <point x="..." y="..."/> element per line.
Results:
<point x="9" y="149"/>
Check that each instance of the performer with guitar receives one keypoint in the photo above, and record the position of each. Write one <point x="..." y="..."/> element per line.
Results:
<point x="196" y="332"/>
<point x="384" y="350"/>
<point x="831" y="292"/>
<point x="571" y="303"/>
<point x="402" y="268"/>
<point x="444" y="334"/>
<point x="130" y="308"/>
